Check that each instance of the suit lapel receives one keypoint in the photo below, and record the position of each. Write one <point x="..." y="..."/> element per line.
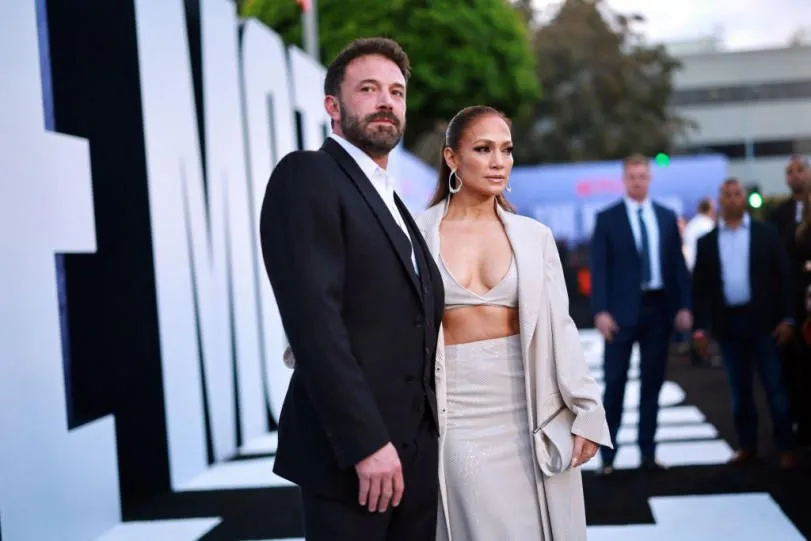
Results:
<point x="754" y="231"/>
<point x="715" y="254"/>
<point x="378" y="206"/>
<point x="529" y="260"/>
<point x="625" y="228"/>
<point x="662" y="226"/>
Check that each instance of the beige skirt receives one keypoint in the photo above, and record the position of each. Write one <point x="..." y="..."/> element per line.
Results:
<point x="489" y="464"/>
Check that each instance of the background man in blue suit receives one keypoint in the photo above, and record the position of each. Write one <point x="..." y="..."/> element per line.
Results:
<point x="640" y="288"/>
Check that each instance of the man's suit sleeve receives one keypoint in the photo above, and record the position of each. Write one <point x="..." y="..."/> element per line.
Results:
<point x="701" y="287"/>
<point x="786" y="276"/>
<point x="682" y="273"/>
<point x="304" y="253"/>
<point x="775" y="219"/>
<point x="598" y="266"/>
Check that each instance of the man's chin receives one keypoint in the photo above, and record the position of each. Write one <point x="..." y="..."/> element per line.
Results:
<point x="380" y="146"/>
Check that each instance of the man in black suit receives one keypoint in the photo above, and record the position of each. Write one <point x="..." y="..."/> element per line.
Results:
<point x="361" y="301"/>
<point x="786" y="215"/>
<point x="742" y="295"/>
<point x="640" y="291"/>
<point x="785" y="218"/>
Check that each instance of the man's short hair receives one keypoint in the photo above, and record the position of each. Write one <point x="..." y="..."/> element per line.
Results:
<point x="730" y="181"/>
<point x="705" y="205"/>
<point x="799" y="158"/>
<point x="635" y="159"/>
<point x="385" y="47"/>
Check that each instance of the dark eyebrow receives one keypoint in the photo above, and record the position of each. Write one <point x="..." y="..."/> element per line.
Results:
<point x="489" y="142"/>
<point x="378" y="83"/>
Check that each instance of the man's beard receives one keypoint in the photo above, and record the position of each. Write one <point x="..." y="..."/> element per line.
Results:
<point x="376" y="140"/>
<point x="798" y="188"/>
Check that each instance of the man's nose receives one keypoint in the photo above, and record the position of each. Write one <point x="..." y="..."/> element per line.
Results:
<point x="385" y="100"/>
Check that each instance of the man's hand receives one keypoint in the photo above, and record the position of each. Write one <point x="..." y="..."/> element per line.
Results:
<point x="783" y="332"/>
<point x="684" y="320"/>
<point x="584" y="450"/>
<point x="606" y="325"/>
<point x="381" y="479"/>
<point x="701" y="343"/>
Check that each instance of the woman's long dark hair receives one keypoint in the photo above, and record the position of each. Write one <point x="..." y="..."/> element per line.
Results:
<point x="453" y="136"/>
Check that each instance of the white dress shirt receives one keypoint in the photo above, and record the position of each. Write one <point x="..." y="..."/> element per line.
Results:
<point x="700" y="225"/>
<point x="652" y="226"/>
<point x="382" y="181"/>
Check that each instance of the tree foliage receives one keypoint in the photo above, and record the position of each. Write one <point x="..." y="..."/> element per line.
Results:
<point x="462" y="52"/>
<point x="606" y="92"/>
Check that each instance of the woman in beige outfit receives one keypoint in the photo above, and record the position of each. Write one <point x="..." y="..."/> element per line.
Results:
<point x="519" y="411"/>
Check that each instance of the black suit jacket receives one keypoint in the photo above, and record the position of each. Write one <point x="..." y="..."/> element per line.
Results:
<point x="616" y="266"/>
<point x="769" y="279"/>
<point x="784" y="217"/>
<point x="361" y="324"/>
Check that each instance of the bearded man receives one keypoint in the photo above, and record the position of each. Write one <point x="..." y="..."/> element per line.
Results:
<point x="361" y="301"/>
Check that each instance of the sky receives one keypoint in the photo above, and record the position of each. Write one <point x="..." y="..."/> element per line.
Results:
<point x="743" y="24"/>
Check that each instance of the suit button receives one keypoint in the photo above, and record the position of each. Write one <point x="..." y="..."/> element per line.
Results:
<point x="427" y="350"/>
<point x="418" y="323"/>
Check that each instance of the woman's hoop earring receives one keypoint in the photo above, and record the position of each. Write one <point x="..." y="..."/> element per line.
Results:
<point x="508" y="187"/>
<point x="450" y="182"/>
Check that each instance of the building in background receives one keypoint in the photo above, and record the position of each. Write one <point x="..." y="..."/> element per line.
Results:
<point x="753" y="106"/>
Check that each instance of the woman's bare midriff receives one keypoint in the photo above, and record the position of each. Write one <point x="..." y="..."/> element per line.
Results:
<point x="476" y="323"/>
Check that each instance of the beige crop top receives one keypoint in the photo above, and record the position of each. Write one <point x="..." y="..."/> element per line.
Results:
<point x="505" y="293"/>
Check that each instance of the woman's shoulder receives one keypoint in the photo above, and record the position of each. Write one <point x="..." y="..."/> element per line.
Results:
<point x="529" y="225"/>
<point x="425" y="217"/>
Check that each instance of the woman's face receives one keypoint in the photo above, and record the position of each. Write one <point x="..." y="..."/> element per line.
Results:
<point x="484" y="159"/>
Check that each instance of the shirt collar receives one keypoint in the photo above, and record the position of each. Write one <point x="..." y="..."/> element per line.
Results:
<point x="634" y="205"/>
<point x="376" y="174"/>
<point x="722" y="224"/>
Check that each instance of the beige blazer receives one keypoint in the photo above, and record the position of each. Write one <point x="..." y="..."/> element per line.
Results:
<point x="559" y="386"/>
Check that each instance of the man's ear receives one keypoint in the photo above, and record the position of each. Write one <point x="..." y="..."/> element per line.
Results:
<point x="333" y="108"/>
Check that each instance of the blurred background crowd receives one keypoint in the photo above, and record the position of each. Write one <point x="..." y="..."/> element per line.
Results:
<point x="589" y="82"/>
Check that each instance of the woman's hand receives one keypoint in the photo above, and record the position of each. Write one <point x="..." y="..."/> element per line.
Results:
<point x="584" y="450"/>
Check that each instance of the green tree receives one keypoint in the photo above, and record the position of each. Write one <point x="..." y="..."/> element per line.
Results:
<point x="606" y="91"/>
<point x="462" y="52"/>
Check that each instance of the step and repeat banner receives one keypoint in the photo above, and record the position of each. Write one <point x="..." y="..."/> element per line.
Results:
<point x="567" y="197"/>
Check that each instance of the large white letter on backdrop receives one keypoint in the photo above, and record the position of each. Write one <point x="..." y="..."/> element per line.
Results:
<point x="308" y="90"/>
<point x="225" y="153"/>
<point x="188" y="242"/>
<point x="270" y="133"/>
<point x="54" y="483"/>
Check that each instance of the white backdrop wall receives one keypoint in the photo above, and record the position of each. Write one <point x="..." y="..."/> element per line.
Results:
<point x="135" y="144"/>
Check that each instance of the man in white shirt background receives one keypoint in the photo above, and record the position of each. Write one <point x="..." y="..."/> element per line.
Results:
<point x="701" y="224"/>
